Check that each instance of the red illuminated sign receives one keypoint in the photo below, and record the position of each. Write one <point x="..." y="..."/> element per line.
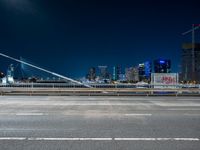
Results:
<point x="168" y="80"/>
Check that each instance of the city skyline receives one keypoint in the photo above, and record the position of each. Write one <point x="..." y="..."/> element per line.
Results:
<point x="70" y="37"/>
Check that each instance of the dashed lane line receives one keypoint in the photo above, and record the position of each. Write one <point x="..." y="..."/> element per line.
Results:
<point x="12" y="138"/>
<point x="30" y="114"/>
<point x="138" y="114"/>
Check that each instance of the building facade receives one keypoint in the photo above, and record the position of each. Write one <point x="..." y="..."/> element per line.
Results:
<point x="91" y="76"/>
<point x="190" y="62"/>
<point x="162" y="66"/>
<point x="116" y="73"/>
<point x="144" y="71"/>
<point x="132" y="74"/>
<point x="103" y="73"/>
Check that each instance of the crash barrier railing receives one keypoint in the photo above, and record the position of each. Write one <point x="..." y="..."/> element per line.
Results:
<point x="99" y="89"/>
<point x="66" y="85"/>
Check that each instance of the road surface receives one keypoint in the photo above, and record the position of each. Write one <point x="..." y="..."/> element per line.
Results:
<point x="99" y="123"/>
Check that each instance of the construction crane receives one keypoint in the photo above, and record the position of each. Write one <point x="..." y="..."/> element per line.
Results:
<point x="47" y="71"/>
<point x="194" y="27"/>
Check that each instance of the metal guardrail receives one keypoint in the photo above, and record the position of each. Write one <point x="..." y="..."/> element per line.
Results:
<point x="98" y="89"/>
<point x="66" y="85"/>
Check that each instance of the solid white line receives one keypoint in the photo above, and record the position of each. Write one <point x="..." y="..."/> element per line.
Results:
<point x="70" y="139"/>
<point x="30" y="114"/>
<point x="138" y="114"/>
<point x="78" y="104"/>
<point x="156" y="139"/>
<point x="98" y="139"/>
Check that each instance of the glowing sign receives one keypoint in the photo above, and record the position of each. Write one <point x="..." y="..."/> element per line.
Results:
<point x="162" y="61"/>
<point x="164" y="80"/>
<point x="168" y="80"/>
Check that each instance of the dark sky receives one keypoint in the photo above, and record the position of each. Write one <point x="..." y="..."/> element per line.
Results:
<point x="69" y="36"/>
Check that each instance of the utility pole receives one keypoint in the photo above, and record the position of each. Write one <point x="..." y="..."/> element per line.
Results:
<point x="194" y="27"/>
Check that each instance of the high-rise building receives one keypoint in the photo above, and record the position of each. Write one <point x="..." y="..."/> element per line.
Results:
<point x="116" y="73"/>
<point x="162" y="66"/>
<point x="144" y="70"/>
<point x="141" y="71"/>
<point x="148" y="69"/>
<point x="103" y="73"/>
<point x="10" y="74"/>
<point x="132" y="74"/>
<point x="10" y="71"/>
<point x="190" y="62"/>
<point x="91" y="76"/>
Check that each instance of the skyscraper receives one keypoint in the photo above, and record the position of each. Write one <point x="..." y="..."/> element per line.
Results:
<point x="91" y="76"/>
<point x="10" y="71"/>
<point x="10" y="74"/>
<point x="141" y="71"/>
<point x="103" y="72"/>
<point x="132" y="74"/>
<point x="116" y="73"/>
<point x="162" y="66"/>
<point x="148" y="69"/>
<point x="144" y="70"/>
<point x="187" y="60"/>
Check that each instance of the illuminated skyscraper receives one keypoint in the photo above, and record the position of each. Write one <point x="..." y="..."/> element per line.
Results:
<point x="141" y="71"/>
<point x="162" y="66"/>
<point x="116" y="73"/>
<point x="144" y="70"/>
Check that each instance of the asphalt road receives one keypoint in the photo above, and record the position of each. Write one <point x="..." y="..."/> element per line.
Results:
<point x="99" y="123"/>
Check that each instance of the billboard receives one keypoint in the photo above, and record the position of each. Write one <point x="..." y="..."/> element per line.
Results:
<point x="164" y="80"/>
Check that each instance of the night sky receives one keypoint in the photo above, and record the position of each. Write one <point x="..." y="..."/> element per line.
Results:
<point x="69" y="36"/>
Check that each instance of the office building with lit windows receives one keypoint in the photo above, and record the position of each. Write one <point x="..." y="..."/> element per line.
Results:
<point x="162" y="66"/>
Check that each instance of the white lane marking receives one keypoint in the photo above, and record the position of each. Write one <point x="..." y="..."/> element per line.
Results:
<point x="177" y="104"/>
<point x="187" y="114"/>
<point x="30" y="114"/>
<point x="179" y="109"/>
<point x="13" y="138"/>
<point x="138" y="114"/>
<point x="98" y="139"/>
<point x="156" y="139"/>
<point x="186" y="139"/>
<point x="80" y="104"/>
<point x="70" y="139"/>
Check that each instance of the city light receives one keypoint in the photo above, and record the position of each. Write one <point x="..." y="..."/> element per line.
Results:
<point x="162" y="61"/>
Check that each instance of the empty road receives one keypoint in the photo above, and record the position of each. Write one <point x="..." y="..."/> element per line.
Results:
<point x="99" y="123"/>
